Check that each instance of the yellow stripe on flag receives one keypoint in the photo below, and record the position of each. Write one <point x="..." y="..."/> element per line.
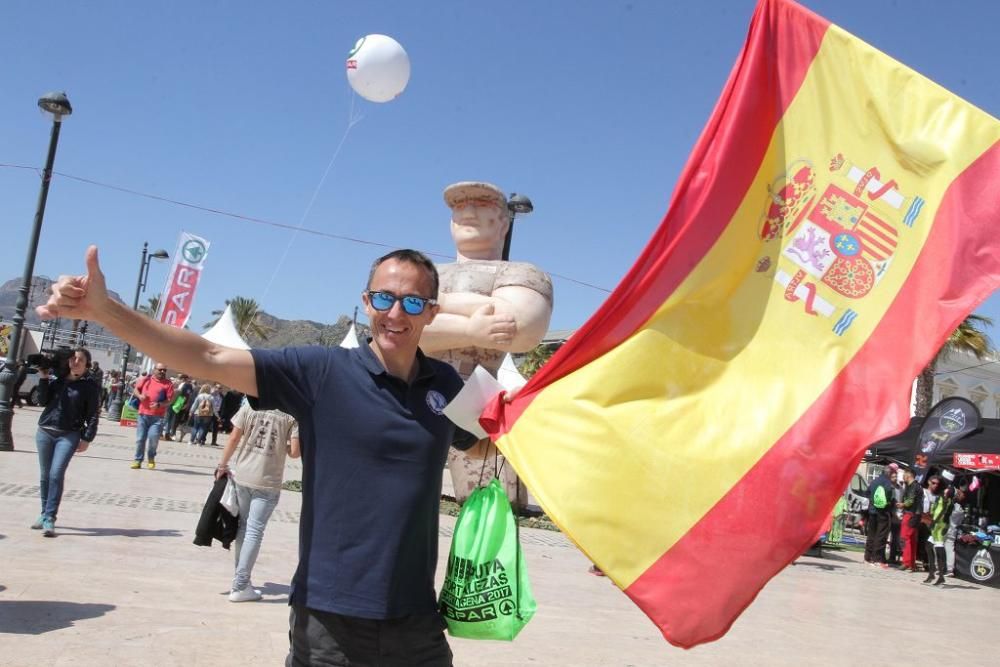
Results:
<point x="727" y="365"/>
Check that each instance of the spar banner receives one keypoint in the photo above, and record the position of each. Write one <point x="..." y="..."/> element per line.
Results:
<point x="948" y="422"/>
<point x="178" y="295"/>
<point x="835" y="222"/>
<point x="976" y="461"/>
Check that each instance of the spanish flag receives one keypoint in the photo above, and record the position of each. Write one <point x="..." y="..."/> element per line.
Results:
<point x="837" y="218"/>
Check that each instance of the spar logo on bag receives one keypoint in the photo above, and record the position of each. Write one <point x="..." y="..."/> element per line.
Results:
<point x="476" y="591"/>
<point x="981" y="568"/>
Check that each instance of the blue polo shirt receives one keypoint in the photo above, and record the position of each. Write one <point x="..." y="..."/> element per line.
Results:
<point x="373" y="453"/>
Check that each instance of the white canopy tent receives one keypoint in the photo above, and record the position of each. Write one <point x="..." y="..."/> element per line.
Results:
<point x="224" y="332"/>
<point x="351" y="339"/>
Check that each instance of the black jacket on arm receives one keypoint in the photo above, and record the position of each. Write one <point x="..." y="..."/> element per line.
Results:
<point x="216" y="522"/>
<point x="70" y="405"/>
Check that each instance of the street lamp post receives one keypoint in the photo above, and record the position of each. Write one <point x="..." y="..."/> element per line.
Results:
<point x="58" y="105"/>
<point x="516" y="204"/>
<point x="115" y="409"/>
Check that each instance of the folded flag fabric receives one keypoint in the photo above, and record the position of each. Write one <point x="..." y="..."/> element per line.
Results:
<point x="836" y="219"/>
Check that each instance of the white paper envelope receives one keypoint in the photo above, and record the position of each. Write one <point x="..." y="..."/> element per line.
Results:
<point x="466" y="407"/>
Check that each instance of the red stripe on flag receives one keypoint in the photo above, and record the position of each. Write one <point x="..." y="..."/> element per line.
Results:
<point x="879" y="226"/>
<point x="696" y="590"/>
<point x="873" y="247"/>
<point x="713" y="184"/>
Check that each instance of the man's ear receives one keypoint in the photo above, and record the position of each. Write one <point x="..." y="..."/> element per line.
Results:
<point x="433" y="310"/>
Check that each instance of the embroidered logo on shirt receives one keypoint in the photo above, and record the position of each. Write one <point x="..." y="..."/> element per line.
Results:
<point x="436" y="401"/>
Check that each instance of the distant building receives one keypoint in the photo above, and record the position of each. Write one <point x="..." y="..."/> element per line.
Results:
<point x="964" y="375"/>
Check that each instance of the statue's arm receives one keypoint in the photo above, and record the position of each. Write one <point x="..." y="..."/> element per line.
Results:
<point x="512" y="319"/>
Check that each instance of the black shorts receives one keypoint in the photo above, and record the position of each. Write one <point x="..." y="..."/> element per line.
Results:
<point x="321" y="638"/>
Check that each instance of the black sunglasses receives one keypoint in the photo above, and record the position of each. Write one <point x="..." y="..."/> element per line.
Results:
<point x="412" y="304"/>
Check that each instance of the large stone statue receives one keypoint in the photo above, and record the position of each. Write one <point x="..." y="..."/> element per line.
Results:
<point x="488" y="307"/>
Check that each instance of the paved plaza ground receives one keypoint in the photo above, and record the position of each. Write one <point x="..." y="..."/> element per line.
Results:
<point x="122" y="584"/>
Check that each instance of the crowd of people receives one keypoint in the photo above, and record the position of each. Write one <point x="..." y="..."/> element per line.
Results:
<point x="913" y="525"/>
<point x="75" y="393"/>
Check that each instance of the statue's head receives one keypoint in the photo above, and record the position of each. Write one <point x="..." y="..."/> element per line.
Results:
<point x="479" y="218"/>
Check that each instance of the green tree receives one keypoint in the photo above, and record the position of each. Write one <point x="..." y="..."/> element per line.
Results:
<point x="246" y="317"/>
<point x="970" y="336"/>
<point x="151" y="308"/>
<point x="536" y="358"/>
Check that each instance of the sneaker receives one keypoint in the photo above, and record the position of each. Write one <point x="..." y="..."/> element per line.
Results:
<point x="151" y="465"/>
<point x="884" y="566"/>
<point x="48" y="527"/>
<point x="38" y="522"/>
<point x="940" y="580"/>
<point x="136" y="465"/>
<point x="168" y="438"/>
<point x="246" y="594"/>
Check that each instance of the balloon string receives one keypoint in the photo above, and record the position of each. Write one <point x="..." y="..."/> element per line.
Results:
<point x="352" y="120"/>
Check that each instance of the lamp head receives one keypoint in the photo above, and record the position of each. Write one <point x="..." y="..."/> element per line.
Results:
<point x="55" y="103"/>
<point x="160" y="254"/>
<point x="519" y="204"/>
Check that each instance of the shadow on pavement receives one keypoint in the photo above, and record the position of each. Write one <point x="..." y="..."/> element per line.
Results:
<point x="829" y="567"/>
<point x="119" y="532"/>
<point x="832" y="555"/>
<point x="965" y="587"/>
<point x="184" y="471"/>
<point x="35" y="617"/>
<point x="271" y="588"/>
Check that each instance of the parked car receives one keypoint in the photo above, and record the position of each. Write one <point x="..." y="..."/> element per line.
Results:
<point x="857" y="500"/>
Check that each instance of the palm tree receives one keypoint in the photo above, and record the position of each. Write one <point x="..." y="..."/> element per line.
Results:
<point x="246" y="316"/>
<point x="151" y="308"/>
<point x="968" y="337"/>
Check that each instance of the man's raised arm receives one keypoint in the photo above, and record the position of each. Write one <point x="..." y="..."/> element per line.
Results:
<point x="86" y="298"/>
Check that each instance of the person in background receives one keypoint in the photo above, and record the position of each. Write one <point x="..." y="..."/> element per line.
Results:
<point x="114" y="386"/>
<point x="178" y="412"/>
<point x="231" y="403"/>
<point x="896" y="518"/>
<point x="263" y="439"/>
<point x="155" y="392"/>
<point x="880" y="508"/>
<point x="217" y="412"/>
<point x="67" y="425"/>
<point x="912" y="507"/>
<point x="203" y="412"/>
<point x="940" y="513"/>
<point x="956" y="519"/>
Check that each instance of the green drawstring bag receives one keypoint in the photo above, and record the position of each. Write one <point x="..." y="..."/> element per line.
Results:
<point x="486" y="594"/>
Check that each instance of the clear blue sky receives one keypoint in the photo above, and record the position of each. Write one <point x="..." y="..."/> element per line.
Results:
<point x="590" y="108"/>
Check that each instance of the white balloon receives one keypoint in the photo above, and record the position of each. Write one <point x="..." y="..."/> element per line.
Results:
<point x="378" y="68"/>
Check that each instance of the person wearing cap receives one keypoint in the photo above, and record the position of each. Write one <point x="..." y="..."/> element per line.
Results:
<point x="879" y="518"/>
<point x="488" y="307"/>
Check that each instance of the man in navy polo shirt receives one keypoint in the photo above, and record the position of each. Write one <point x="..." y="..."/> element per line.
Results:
<point x="374" y="443"/>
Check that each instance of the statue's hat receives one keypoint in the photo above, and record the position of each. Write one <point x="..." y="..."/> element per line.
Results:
<point x="466" y="191"/>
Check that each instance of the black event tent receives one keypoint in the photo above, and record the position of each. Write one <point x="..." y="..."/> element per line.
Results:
<point x="903" y="446"/>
